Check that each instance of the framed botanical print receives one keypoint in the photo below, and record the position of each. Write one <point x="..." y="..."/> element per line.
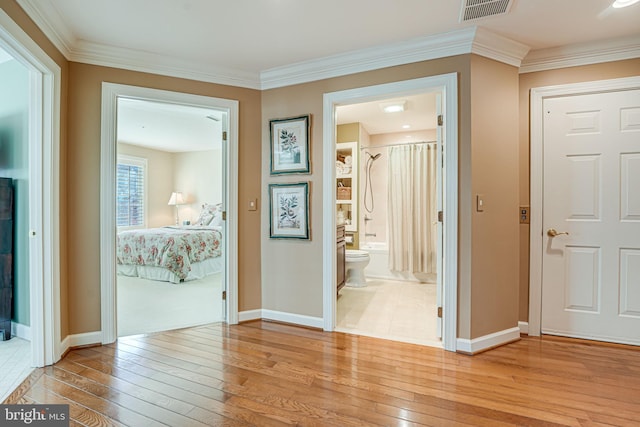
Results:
<point x="289" y="211"/>
<point x="290" y="145"/>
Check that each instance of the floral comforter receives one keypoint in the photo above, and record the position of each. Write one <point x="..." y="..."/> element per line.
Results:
<point x="173" y="248"/>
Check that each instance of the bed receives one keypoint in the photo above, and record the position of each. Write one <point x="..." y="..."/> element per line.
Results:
<point x="172" y="254"/>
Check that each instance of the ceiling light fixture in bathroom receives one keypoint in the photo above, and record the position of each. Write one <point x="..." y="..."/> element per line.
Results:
<point x="623" y="3"/>
<point x="393" y="107"/>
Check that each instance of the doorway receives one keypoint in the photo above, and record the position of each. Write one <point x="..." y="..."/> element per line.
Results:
<point x="169" y="195"/>
<point x="446" y="85"/>
<point x="38" y="135"/>
<point x="583" y="280"/>
<point x="220" y="113"/>
<point x="392" y="177"/>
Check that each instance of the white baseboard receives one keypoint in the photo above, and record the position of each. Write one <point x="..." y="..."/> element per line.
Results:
<point x="486" y="342"/>
<point x="281" y="316"/>
<point x="296" y="319"/>
<point x="21" y="331"/>
<point x="79" y="340"/>
<point x="524" y="327"/>
<point x="246" y="316"/>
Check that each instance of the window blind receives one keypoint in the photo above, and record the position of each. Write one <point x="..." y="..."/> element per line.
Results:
<point x="130" y="193"/>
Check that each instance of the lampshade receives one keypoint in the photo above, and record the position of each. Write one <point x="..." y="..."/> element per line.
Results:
<point x="176" y="199"/>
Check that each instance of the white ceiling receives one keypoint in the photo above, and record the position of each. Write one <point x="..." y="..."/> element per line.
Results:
<point x="245" y="42"/>
<point x="168" y="127"/>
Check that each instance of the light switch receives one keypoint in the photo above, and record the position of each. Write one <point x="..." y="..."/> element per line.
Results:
<point x="480" y="203"/>
<point x="253" y="204"/>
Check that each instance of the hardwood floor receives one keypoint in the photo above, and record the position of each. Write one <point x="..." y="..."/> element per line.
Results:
<point x="269" y="374"/>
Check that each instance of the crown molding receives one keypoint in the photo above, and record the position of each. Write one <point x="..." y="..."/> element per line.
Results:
<point x="499" y="48"/>
<point x="469" y="40"/>
<point x="47" y="18"/>
<point x="128" y="59"/>
<point x="582" y="54"/>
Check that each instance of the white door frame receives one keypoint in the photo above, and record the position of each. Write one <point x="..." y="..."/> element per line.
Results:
<point x="44" y="191"/>
<point x="536" y="237"/>
<point x="110" y="94"/>
<point x="447" y="84"/>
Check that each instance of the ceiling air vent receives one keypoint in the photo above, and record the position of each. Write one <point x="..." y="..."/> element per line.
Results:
<point x="478" y="9"/>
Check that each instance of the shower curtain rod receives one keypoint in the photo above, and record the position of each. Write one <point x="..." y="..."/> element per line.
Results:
<point x="373" y="147"/>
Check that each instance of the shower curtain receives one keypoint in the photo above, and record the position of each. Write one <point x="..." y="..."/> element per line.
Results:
<point x="412" y="208"/>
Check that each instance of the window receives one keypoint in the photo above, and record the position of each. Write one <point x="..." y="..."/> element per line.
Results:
<point x="131" y="176"/>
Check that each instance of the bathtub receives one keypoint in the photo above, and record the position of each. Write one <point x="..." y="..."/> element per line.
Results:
<point x="378" y="267"/>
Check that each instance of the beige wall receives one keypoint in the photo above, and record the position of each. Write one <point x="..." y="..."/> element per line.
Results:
<point x="84" y="184"/>
<point x="494" y="150"/>
<point x="285" y="275"/>
<point x="198" y="174"/>
<point x="610" y="70"/>
<point x="292" y="271"/>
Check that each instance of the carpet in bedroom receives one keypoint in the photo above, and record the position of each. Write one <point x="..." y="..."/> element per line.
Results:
<point x="146" y="306"/>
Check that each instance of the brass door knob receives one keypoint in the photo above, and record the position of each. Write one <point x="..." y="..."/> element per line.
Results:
<point x="553" y="233"/>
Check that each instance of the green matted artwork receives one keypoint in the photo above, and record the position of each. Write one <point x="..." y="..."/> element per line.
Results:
<point x="289" y="211"/>
<point x="290" y="145"/>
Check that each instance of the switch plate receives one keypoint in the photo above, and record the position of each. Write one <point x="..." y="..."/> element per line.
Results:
<point x="480" y="203"/>
<point x="253" y="204"/>
<point x="524" y="214"/>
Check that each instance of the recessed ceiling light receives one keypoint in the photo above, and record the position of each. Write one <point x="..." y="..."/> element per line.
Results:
<point x="623" y="3"/>
<point x="406" y="126"/>
<point x="393" y="107"/>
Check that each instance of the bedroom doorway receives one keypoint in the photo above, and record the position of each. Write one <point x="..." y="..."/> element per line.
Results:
<point x="171" y="263"/>
<point x="169" y="192"/>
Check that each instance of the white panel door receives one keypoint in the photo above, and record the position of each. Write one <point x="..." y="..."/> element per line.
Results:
<point x="591" y="275"/>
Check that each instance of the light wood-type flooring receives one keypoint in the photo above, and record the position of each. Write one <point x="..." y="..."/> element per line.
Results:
<point x="263" y="374"/>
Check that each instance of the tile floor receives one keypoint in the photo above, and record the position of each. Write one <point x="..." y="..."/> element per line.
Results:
<point x="396" y="310"/>
<point x="15" y="364"/>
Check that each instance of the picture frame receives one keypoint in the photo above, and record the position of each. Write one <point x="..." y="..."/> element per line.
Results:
<point x="290" y="145"/>
<point x="289" y="211"/>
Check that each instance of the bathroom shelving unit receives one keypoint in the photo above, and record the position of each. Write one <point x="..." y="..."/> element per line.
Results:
<point x="347" y="185"/>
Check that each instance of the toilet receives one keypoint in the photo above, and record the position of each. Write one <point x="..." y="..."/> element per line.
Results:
<point x="355" y="262"/>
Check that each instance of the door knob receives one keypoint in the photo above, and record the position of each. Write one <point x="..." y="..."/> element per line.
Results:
<point x="553" y="233"/>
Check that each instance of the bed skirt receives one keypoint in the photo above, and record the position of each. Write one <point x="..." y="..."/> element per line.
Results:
<point x="198" y="271"/>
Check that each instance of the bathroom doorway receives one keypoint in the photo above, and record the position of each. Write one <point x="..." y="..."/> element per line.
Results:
<point x="404" y="288"/>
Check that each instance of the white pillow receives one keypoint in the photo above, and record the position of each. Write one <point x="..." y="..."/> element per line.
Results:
<point x="206" y="214"/>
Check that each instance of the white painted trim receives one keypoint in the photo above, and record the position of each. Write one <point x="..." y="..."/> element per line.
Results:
<point x="294" y="319"/>
<point x="44" y="141"/>
<point x="47" y="18"/>
<point x="524" y="327"/>
<point x="536" y="237"/>
<point x="79" y="340"/>
<point x="21" y="331"/>
<point x="458" y="42"/>
<point x="248" y="315"/>
<point x="486" y="342"/>
<point x="448" y="85"/>
<point x="582" y="54"/>
<point x="110" y="94"/>
<point x="467" y="40"/>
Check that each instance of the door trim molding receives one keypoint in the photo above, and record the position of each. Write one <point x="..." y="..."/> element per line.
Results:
<point x="110" y="94"/>
<point x="44" y="198"/>
<point x="536" y="237"/>
<point x="447" y="84"/>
